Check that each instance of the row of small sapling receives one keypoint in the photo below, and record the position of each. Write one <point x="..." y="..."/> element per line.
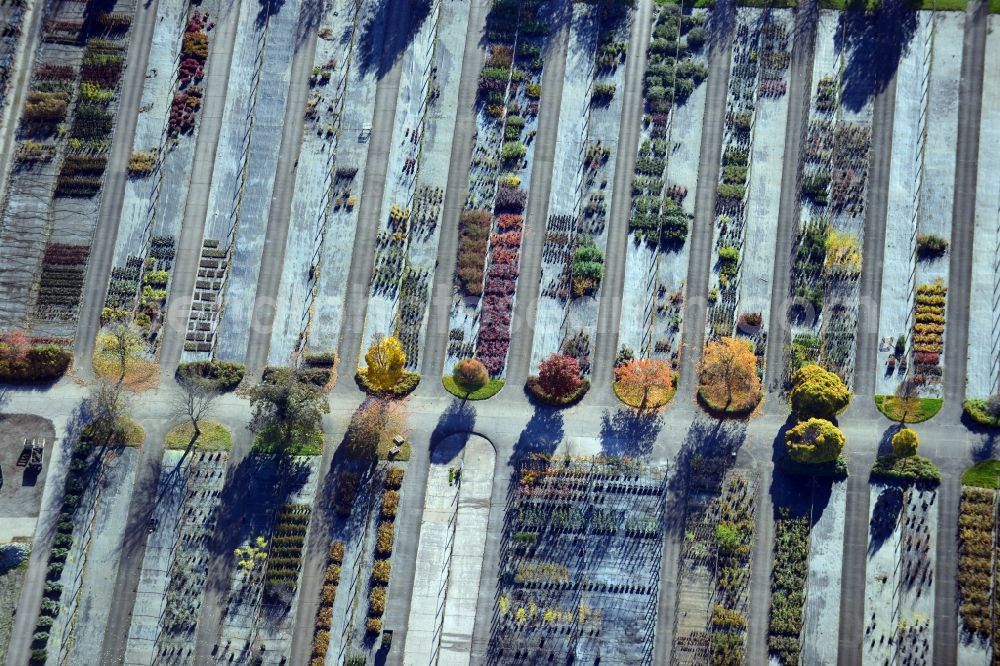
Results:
<point x="788" y="588"/>
<point x="658" y="221"/>
<point x="562" y="592"/>
<point x="916" y="573"/>
<point x="491" y="226"/>
<point x="188" y="574"/>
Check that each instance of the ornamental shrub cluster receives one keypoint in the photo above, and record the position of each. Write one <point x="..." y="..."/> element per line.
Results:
<point x="23" y="361"/>
<point x="817" y="396"/>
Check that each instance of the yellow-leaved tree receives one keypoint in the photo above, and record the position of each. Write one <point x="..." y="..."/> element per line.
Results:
<point x="386" y="363"/>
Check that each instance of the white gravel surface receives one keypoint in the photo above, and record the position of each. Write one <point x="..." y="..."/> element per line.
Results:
<point x="821" y="612"/>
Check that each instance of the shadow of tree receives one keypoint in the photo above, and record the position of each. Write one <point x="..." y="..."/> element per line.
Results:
<point x="387" y="31"/>
<point x="629" y="432"/>
<point x="885" y="443"/>
<point x="885" y="516"/>
<point x="268" y="8"/>
<point x="542" y="434"/>
<point x="872" y="44"/>
<point x="452" y="431"/>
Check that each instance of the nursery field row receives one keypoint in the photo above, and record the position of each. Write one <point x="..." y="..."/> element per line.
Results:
<point x="919" y="214"/>
<point x="407" y="241"/>
<point x="977" y="551"/>
<point x="86" y="553"/>
<point x="242" y="180"/>
<point x="56" y="173"/>
<point x="159" y="168"/>
<point x="752" y="151"/>
<point x="665" y="184"/>
<point x="174" y="571"/>
<point x="261" y="589"/>
<point x="562" y="592"/>
<point x="826" y="264"/>
<point x="332" y="165"/>
<point x="492" y="224"/>
<point x="983" y="368"/>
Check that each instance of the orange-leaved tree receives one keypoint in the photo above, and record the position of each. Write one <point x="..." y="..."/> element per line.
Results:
<point x="644" y="382"/>
<point x="729" y="381"/>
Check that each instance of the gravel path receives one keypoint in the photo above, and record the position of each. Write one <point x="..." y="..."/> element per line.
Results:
<point x="820" y="632"/>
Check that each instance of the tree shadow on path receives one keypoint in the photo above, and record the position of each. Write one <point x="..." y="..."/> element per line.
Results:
<point x="541" y="435"/>
<point x="872" y="44"/>
<point x="629" y="432"/>
<point x="387" y="31"/>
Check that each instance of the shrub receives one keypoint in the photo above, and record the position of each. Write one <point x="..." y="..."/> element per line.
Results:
<point x="905" y="443"/>
<point x="929" y="246"/>
<point x="222" y="375"/>
<point x="376" y="602"/>
<point x="814" y="441"/>
<point x="470" y="374"/>
<point x="818" y="393"/>
<point x="390" y="504"/>
<point x="142" y="163"/>
<point x="373" y="625"/>
<point x="381" y="572"/>
<point x="20" y="361"/>
<point x="910" y="468"/>
<point x="513" y="150"/>
<point x="982" y="412"/>
<point x="394" y="478"/>
<point x="473" y="236"/>
<point x="383" y="542"/>
<point x="559" y="376"/>
<point x="337" y="552"/>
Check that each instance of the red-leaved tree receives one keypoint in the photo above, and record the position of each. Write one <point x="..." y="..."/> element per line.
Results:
<point x="559" y="376"/>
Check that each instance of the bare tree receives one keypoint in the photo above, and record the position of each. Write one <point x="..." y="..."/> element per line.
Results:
<point x="121" y="344"/>
<point x="194" y="400"/>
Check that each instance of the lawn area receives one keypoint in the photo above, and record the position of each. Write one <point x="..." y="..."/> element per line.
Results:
<point x="214" y="436"/>
<point x="927" y="408"/>
<point x="272" y="440"/>
<point x="940" y="5"/>
<point x="635" y="399"/>
<point x="491" y="389"/>
<point x="994" y="6"/>
<point x="128" y="433"/>
<point x="985" y="474"/>
<point x="911" y="468"/>
<point x="395" y="424"/>
<point x="978" y="411"/>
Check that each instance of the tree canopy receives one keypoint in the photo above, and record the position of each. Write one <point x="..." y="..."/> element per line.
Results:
<point x="559" y="376"/>
<point x="288" y="406"/>
<point x="386" y="363"/>
<point x="818" y="393"/>
<point x="814" y="441"/>
<point x="905" y="443"/>
<point x="470" y="374"/>
<point x="644" y="382"/>
<point x="729" y="381"/>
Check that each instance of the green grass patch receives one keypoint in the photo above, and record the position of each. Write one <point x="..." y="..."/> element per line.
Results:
<point x="491" y="389"/>
<point x="834" y="470"/>
<point x="911" y="468"/>
<point x="939" y="5"/>
<point x="385" y="443"/>
<point x="214" y="436"/>
<point x="928" y="407"/>
<point x="843" y="5"/>
<point x="985" y="474"/>
<point x="994" y="6"/>
<point x="274" y="439"/>
<point x="977" y="411"/>
<point x="765" y="4"/>
<point x="128" y="432"/>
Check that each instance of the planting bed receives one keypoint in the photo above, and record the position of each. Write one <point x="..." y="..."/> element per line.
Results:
<point x="263" y="595"/>
<point x="242" y="181"/>
<point x="13" y="569"/>
<point x="826" y="264"/>
<point x="921" y="194"/>
<point x="328" y="183"/>
<point x="491" y="226"/>
<point x="582" y="187"/>
<point x="976" y="578"/>
<point x="53" y="189"/>
<point x="101" y="481"/>
<point x="983" y="368"/>
<point x="407" y="241"/>
<point x="713" y="587"/>
<point x="450" y="556"/>
<point x="175" y="566"/>
<point x="899" y="589"/>
<point x="747" y="195"/>
<point x="152" y="210"/>
<point x="367" y="501"/>
<point x="563" y="595"/>
<point x="665" y="185"/>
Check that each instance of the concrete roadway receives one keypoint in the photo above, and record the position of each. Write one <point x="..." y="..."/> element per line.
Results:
<point x="610" y="315"/>
<point x="95" y="286"/>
